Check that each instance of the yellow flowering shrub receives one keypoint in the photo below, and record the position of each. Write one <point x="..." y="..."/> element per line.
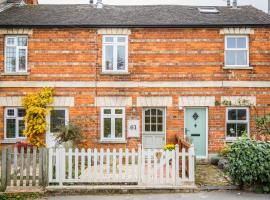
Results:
<point x="169" y="147"/>
<point x="36" y="108"/>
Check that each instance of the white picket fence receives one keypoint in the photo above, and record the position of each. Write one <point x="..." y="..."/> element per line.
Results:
<point x="141" y="167"/>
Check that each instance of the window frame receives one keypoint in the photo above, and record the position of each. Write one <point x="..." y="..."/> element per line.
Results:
<point x="49" y="117"/>
<point x="18" y="48"/>
<point x="112" y="117"/>
<point x="236" y="49"/>
<point x="247" y="121"/>
<point x="17" y="122"/>
<point x="163" y="121"/>
<point x="115" y="44"/>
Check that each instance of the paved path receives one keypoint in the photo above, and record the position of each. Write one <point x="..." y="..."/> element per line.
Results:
<point x="230" y="195"/>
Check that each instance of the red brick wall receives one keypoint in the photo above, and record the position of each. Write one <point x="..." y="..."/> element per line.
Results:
<point x="154" y="55"/>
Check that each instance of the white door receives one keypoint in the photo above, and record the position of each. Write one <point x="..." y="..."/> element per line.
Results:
<point x="154" y="128"/>
<point x="57" y="118"/>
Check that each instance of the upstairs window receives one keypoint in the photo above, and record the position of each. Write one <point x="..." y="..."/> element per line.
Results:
<point x="237" y="122"/>
<point x="236" y="51"/>
<point x="115" y="54"/>
<point x="16" y="54"/>
<point x="14" y="123"/>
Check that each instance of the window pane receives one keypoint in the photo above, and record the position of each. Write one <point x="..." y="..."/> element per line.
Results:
<point x="230" y="58"/>
<point x="160" y="120"/>
<point x="21" y="128"/>
<point x="153" y="111"/>
<point x="21" y="112"/>
<point x="57" y="120"/>
<point x="231" y="42"/>
<point x="147" y="112"/>
<point x="154" y="128"/>
<point x="231" y="130"/>
<point x="118" y="111"/>
<point x="241" y="43"/>
<point x="241" y="57"/>
<point x="10" y="112"/>
<point x="109" y="57"/>
<point x="22" y="59"/>
<point x="147" y="127"/>
<point x="22" y="41"/>
<point x="159" y="112"/>
<point x="11" y="59"/>
<point x="121" y="58"/>
<point x="107" y="128"/>
<point x="10" y="41"/>
<point x="241" y="114"/>
<point x="108" y="39"/>
<point x="160" y="128"/>
<point x="232" y="114"/>
<point x="118" y="127"/>
<point x="107" y="111"/>
<point x="11" y="128"/>
<point x="121" y="39"/>
<point x="147" y="120"/>
<point x="153" y="119"/>
<point x="241" y="129"/>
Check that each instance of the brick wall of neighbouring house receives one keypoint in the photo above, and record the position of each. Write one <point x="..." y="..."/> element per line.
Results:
<point x="154" y="55"/>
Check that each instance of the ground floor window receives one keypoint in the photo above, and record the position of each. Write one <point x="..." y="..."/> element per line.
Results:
<point x="112" y="124"/>
<point x="14" y="123"/>
<point x="58" y="119"/>
<point x="237" y="122"/>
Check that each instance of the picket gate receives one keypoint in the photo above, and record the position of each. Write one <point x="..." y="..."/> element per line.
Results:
<point x="122" y="166"/>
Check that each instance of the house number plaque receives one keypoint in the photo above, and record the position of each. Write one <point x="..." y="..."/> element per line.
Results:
<point x="133" y="128"/>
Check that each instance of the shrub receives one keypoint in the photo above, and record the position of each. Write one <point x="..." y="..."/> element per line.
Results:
<point x="249" y="163"/>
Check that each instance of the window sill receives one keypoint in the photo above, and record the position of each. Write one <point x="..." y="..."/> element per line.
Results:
<point x="11" y="141"/>
<point x="115" y="73"/>
<point x="15" y="74"/>
<point x="113" y="141"/>
<point x="244" y="68"/>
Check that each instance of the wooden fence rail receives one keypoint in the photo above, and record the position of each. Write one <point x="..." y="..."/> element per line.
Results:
<point x="23" y="167"/>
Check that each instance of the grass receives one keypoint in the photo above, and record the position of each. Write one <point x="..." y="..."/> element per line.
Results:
<point x="18" y="196"/>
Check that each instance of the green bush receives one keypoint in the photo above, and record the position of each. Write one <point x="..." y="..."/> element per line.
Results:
<point x="249" y="163"/>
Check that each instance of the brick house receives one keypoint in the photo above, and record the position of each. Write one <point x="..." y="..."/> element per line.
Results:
<point x="137" y="74"/>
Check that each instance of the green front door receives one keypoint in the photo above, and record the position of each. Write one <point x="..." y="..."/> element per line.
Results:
<point x="195" y="129"/>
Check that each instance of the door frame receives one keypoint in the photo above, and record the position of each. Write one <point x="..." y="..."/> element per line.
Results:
<point x="206" y="131"/>
<point x="164" y="120"/>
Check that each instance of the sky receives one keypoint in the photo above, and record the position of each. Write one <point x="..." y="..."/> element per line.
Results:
<point x="261" y="4"/>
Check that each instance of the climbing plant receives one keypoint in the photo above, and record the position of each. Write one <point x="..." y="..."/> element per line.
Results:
<point x="36" y="106"/>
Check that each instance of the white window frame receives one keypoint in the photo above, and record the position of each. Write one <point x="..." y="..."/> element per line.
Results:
<point x="112" y="117"/>
<point x="236" y="49"/>
<point x="163" y="121"/>
<point x="115" y="44"/>
<point x="18" y="48"/>
<point x="236" y="121"/>
<point x="17" y="122"/>
<point x="49" y="117"/>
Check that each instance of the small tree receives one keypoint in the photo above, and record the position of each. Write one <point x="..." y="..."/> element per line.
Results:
<point x="36" y="108"/>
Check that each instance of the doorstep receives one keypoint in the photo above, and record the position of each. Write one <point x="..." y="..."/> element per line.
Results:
<point x="119" y="189"/>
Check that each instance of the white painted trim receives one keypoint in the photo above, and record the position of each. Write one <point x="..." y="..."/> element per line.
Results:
<point x="113" y="101"/>
<point x="196" y="101"/>
<point x="207" y="129"/>
<point x="234" y="99"/>
<point x="237" y="31"/>
<point x="135" y="84"/>
<point x="113" y="116"/>
<point x="230" y="139"/>
<point x="236" y="49"/>
<point x="17" y="31"/>
<point x="114" y="31"/>
<point x="160" y="101"/>
<point x="16" y="101"/>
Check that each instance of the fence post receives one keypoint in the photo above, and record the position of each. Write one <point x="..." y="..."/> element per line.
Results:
<point x="8" y="166"/>
<point x="62" y="164"/>
<point x="191" y="163"/>
<point x="139" y="163"/>
<point x="177" y="164"/>
<point x="4" y="170"/>
<point x="44" y="167"/>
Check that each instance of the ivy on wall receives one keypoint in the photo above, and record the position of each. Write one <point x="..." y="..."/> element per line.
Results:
<point x="36" y="106"/>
